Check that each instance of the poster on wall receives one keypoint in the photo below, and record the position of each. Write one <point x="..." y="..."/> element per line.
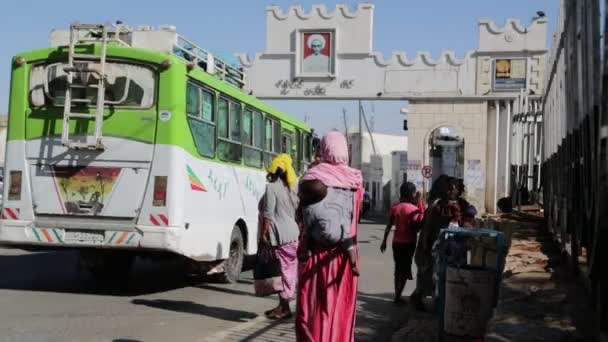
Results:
<point x="316" y="53"/>
<point x="509" y="74"/>
<point x="474" y="181"/>
<point x="413" y="173"/>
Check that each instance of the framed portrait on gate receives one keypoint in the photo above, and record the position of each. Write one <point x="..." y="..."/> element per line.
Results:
<point x="315" y="53"/>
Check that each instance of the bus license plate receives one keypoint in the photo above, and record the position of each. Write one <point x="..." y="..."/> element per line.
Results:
<point x="78" y="236"/>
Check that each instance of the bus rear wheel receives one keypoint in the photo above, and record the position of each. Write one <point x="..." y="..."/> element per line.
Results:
<point x="234" y="264"/>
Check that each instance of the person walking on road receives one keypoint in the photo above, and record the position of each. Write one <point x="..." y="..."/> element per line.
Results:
<point x="437" y="216"/>
<point x="365" y="206"/>
<point x="468" y="211"/>
<point x="279" y="230"/>
<point x="326" y="301"/>
<point x="407" y="217"/>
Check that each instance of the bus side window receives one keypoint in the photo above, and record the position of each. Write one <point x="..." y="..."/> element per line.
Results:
<point x="276" y="136"/>
<point x="304" y="153"/>
<point x="199" y="109"/>
<point x="268" y="141"/>
<point x="287" y="143"/>
<point x="253" y="130"/>
<point x="297" y="152"/>
<point x="229" y="131"/>
<point x="307" y="149"/>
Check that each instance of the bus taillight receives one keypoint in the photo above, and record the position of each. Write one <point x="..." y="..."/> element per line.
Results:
<point x="14" y="190"/>
<point x="160" y="191"/>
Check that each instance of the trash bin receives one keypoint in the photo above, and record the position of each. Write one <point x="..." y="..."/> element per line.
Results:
<point x="469" y="267"/>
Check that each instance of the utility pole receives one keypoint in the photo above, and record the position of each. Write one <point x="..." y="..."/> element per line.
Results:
<point x="371" y="137"/>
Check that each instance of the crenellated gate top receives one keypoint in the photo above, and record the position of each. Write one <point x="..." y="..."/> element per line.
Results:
<point x="329" y="54"/>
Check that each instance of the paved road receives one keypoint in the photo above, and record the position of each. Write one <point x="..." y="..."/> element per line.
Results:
<point x="44" y="298"/>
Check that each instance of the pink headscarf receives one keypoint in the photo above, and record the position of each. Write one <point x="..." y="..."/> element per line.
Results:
<point x="333" y="170"/>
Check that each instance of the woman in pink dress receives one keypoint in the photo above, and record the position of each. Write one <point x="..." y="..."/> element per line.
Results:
<point x="326" y="301"/>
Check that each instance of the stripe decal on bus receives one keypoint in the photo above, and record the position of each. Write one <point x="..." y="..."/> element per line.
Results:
<point x="54" y="235"/>
<point x="10" y="214"/>
<point x="47" y="235"/>
<point x="122" y="238"/>
<point x="159" y="220"/>
<point x="195" y="182"/>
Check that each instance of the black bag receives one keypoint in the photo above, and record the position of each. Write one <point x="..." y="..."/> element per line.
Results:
<point x="267" y="273"/>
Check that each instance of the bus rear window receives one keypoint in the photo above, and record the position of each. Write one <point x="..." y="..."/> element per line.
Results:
<point x="127" y="85"/>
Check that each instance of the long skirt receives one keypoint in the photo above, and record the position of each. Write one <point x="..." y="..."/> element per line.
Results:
<point x="326" y="299"/>
<point x="288" y="257"/>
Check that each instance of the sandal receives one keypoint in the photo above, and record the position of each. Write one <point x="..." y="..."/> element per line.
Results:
<point x="281" y="315"/>
<point x="269" y="313"/>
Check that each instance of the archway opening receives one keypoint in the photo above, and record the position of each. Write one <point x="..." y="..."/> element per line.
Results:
<point x="446" y="152"/>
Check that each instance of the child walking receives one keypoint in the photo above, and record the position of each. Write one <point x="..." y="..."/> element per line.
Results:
<point x="407" y="217"/>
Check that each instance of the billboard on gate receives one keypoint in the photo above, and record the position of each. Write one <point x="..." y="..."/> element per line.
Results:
<point x="509" y="74"/>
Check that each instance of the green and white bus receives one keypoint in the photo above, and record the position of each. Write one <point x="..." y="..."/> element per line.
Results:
<point x="125" y="141"/>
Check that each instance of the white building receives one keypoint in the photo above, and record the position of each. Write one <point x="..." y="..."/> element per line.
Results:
<point x="399" y="173"/>
<point x="375" y="160"/>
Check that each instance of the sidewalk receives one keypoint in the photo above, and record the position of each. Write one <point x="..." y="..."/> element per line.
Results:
<point x="540" y="299"/>
<point x="377" y="318"/>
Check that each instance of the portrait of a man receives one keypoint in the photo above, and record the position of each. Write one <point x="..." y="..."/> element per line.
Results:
<point x="317" y="52"/>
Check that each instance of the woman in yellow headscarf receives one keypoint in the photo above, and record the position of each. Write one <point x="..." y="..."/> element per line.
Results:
<point x="278" y="229"/>
<point x="282" y="167"/>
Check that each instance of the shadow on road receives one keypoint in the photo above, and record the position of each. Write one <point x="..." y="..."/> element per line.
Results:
<point x="224" y="289"/>
<point x="197" y="309"/>
<point x="378" y="318"/>
<point x="58" y="272"/>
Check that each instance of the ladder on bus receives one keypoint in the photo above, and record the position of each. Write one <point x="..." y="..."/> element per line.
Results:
<point x="222" y="69"/>
<point x="78" y="65"/>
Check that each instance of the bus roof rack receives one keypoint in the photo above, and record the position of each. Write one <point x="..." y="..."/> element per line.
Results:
<point x="165" y="39"/>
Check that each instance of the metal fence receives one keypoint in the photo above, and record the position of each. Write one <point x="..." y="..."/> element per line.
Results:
<point x="573" y="177"/>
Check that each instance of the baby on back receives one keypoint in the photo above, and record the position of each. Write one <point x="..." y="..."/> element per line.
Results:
<point x="327" y="214"/>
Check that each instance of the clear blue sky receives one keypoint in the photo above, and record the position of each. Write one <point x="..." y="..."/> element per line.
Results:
<point x="231" y="26"/>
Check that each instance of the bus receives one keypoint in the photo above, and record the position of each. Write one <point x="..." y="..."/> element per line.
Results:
<point x="127" y="142"/>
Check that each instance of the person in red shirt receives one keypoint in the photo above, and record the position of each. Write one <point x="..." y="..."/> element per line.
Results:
<point x="407" y="217"/>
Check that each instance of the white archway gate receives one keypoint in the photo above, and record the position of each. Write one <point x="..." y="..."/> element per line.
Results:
<point x="325" y="54"/>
